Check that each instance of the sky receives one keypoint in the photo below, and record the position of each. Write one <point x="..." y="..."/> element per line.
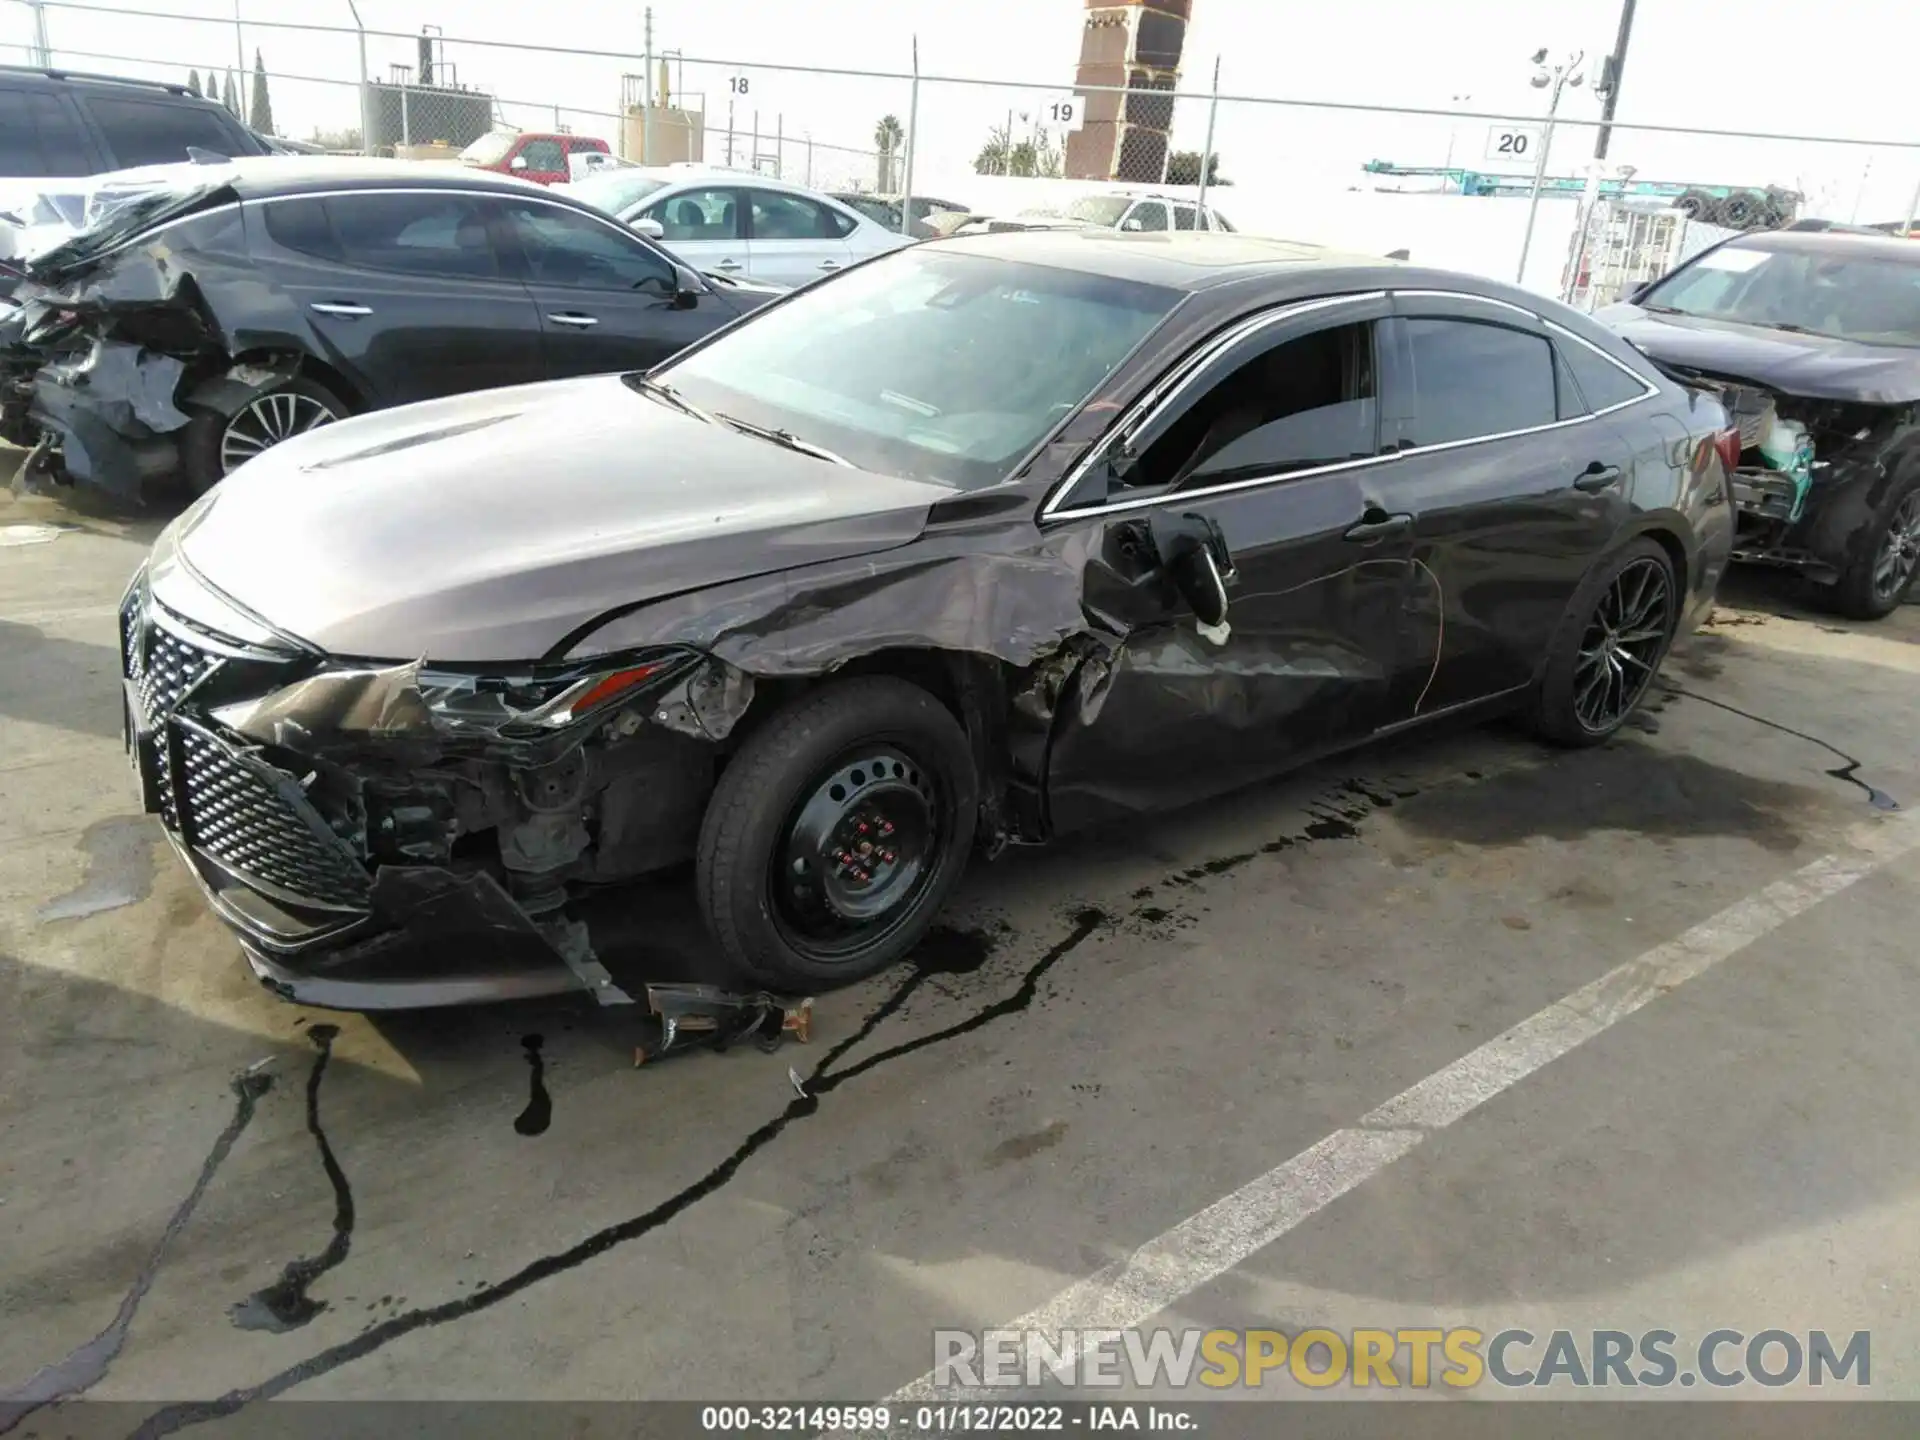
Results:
<point x="1808" y="67"/>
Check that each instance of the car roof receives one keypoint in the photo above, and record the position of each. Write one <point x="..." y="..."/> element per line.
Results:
<point x="12" y="75"/>
<point x="1181" y="260"/>
<point x="1837" y="243"/>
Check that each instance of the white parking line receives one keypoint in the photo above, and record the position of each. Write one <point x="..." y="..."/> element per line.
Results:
<point x="1211" y="1242"/>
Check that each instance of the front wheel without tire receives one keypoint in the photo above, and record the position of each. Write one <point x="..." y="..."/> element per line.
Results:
<point x="836" y="833"/>
<point x="1608" y="647"/>
<point x="214" y="446"/>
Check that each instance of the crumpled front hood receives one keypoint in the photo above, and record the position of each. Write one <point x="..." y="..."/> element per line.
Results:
<point x="1814" y="367"/>
<point x="487" y="527"/>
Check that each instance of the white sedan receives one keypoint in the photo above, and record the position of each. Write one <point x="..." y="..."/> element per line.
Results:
<point x="737" y="222"/>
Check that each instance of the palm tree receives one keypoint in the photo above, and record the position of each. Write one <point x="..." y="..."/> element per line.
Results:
<point x="887" y="137"/>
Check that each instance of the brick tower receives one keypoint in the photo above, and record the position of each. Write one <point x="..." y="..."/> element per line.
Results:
<point x="1135" y="43"/>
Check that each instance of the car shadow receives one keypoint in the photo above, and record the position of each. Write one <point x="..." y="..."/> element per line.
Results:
<point x="44" y="673"/>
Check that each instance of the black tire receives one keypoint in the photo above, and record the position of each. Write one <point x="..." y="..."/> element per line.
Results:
<point x="201" y="443"/>
<point x="786" y="927"/>
<point x="1858" y="593"/>
<point x="1560" y="712"/>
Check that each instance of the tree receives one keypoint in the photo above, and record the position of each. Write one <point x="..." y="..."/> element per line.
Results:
<point x="260" y="113"/>
<point x="1036" y="155"/>
<point x="230" y="96"/>
<point x="1183" y="168"/>
<point x="193" y="82"/>
<point x="887" y="137"/>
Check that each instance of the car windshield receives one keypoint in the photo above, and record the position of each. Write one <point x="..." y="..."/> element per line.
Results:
<point x="614" y="191"/>
<point x="489" y="149"/>
<point x="1099" y="209"/>
<point x="928" y="364"/>
<point x="1866" y="298"/>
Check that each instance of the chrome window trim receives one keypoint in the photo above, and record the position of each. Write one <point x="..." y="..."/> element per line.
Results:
<point x="1053" y="510"/>
<point x="1149" y="406"/>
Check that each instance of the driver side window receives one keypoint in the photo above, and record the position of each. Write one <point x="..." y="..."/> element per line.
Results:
<point x="1306" y="402"/>
<point x="563" y="248"/>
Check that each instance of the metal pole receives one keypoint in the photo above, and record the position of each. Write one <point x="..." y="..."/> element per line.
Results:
<point x="42" y="50"/>
<point x="366" y="89"/>
<point x="1860" y="195"/>
<point x="1913" y="212"/>
<point x="913" y="141"/>
<point x="809" y="180"/>
<point x="1539" y="174"/>
<point x="729" y="161"/>
<point x="646" y="103"/>
<point x="239" y="56"/>
<point x="1615" y="65"/>
<point x="1006" y="151"/>
<point x="1206" y="155"/>
<point x="406" y="113"/>
<point x="753" y="154"/>
<point x="780" y="146"/>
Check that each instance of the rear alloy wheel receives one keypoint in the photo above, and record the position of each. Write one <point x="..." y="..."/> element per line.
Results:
<point x="836" y="833"/>
<point x="1885" y="560"/>
<point x="214" y="446"/>
<point x="1608" y="647"/>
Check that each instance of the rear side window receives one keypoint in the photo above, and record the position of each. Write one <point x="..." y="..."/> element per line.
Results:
<point x="1184" y="218"/>
<point x="40" y="136"/>
<point x="839" y="221"/>
<point x="438" y="235"/>
<point x="543" y="155"/>
<point x="790" y="217"/>
<point x="301" y="225"/>
<point x="1473" y="379"/>
<point x="154" y="132"/>
<point x="1602" y="383"/>
<point x="1150" y="216"/>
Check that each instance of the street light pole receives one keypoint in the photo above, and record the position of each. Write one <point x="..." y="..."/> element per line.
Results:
<point x="1558" y="79"/>
<point x="42" y="51"/>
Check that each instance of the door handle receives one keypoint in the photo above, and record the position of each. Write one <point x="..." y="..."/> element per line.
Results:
<point x="728" y="265"/>
<point x="1378" y="525"/>
<point x="341" y="308"/>
<point x="1596" y="477"/>
<point x="579" y="322"/>
<point x="829" y="264"/>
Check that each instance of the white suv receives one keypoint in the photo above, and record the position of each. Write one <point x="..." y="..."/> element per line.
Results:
<point x="737" y="222"/>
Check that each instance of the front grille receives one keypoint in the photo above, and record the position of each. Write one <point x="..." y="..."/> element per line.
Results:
<point x="254" y="820"/>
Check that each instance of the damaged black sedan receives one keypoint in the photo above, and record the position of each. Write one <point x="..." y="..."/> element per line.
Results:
<point x="1812" y="340"/>
<point x="227" y="307"/>
<point x="980" y="542"/>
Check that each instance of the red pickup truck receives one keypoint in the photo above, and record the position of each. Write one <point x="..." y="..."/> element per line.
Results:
<point x="531" y="154"/>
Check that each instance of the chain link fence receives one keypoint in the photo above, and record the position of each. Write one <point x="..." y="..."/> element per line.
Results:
<point x="1500" y="195"/>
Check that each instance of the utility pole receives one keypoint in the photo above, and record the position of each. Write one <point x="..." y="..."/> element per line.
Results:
<point x="239" y="48"/>
<point x="1611" y="69"/>
<point x="1206" y="155"/>
<point x="1555" y="79"/>
<point x="646" y="100"/>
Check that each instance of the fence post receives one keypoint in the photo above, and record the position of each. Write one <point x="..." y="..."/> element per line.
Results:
<point x="646" y="98"/>
<point x="913" y="137"/>
<point x="42" y="48"/>
<point x="1913" y="212"/>
<point x="809" y="181"/>
<point x="366" y="91"/>
<point x="780" y="146"/>
<point x="1213" y="110"/>
<point x="239" y="59"/>
<point x="406" y="113"/>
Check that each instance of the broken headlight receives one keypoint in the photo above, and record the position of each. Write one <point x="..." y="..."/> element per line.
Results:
<point x="546" y="698"/>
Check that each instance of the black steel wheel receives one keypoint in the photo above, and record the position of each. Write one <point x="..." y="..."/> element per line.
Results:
<point x="836" y="832"/>
<point x="1885" y="559"/>
<point x="1609" y="646"/>
<point x="863" y="841"/>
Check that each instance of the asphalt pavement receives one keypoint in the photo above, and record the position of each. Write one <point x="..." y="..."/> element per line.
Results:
<point x="1458" y="1031"/>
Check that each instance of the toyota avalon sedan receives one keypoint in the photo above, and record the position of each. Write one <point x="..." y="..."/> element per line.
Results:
<point x="982" y="542"/>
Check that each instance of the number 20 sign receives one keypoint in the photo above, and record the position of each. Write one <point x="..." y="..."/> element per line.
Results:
<point x="1513" y="143"/>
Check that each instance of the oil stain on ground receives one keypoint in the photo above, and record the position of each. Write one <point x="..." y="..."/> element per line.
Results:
<point x="285" y="1304"/>
<point x="1025" y="1147"/>
<point x="120" y="866"/>
<point x="538" y="1115"/>
<point x="1623" y="786"/>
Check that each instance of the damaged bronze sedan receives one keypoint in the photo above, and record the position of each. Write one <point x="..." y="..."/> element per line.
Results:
<point x="980" y="542"/>
<point x="1812" y="341"/>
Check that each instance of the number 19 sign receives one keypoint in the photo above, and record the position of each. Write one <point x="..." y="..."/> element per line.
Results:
<point x="1063" y="111"/>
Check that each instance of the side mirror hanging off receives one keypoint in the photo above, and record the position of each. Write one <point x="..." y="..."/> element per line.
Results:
<point x="1194" y="555"/>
